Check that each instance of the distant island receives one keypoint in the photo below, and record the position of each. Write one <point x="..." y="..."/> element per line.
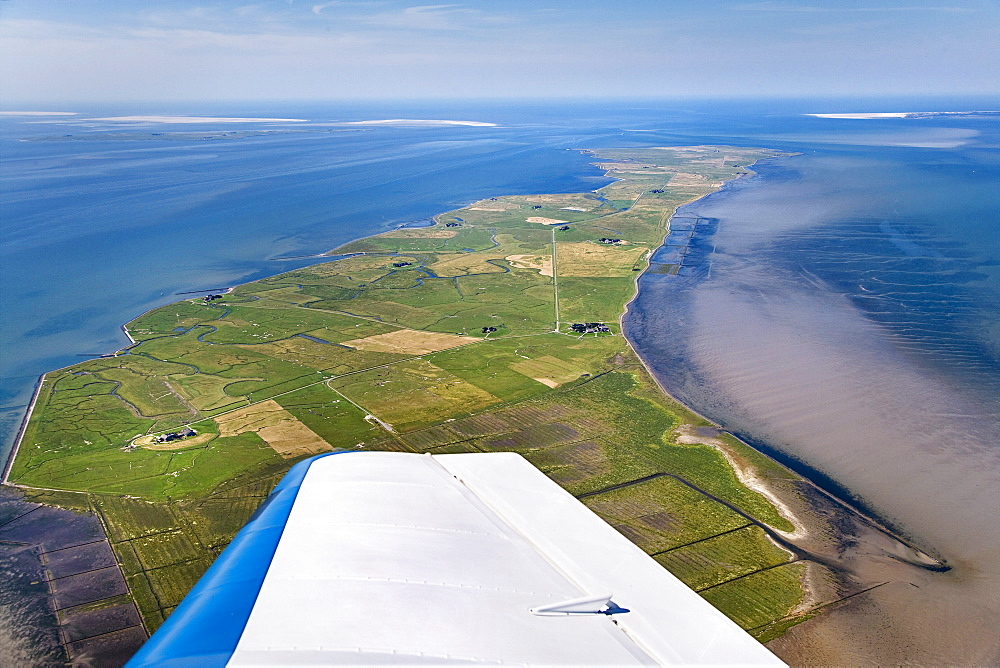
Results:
<point x="497" y="328"/>
<point x="867" y="115"/>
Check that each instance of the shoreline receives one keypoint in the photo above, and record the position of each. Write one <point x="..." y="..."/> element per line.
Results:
<point x="20" y="431"/>
<point x="811" y="597"/>
<point x="773" y="494"/>
<point x="825" y="527"/>
<point x="756" y="484"/>
<point x="821" y="482"/>
<point x="835" y="495"/>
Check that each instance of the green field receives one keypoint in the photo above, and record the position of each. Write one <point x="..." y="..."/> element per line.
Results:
<point x="452" y="338"/>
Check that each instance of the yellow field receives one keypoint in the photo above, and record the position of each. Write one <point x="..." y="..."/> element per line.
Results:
<point x="592" y="259"/>
<point x="548" y="370"/>
<point x="543" y="263"/>
<point x="412" y="394"/>
<point x="544" y="221"/>
<point x="408" y="341"/>
<point x="280" y="429"/>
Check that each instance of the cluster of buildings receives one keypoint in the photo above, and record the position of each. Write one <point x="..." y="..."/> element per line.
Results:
<point x="175" y="435"/>
<point x="589" y="327"/>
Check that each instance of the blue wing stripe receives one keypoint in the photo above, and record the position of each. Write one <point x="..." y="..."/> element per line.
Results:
<point x="205" y="628"/>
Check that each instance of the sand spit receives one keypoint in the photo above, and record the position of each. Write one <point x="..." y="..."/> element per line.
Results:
<point x="421" y="122"/>
<point x="904" y="114"/>
<point x="846" y="555"/>
<point x="859" y="116"/>
<point x="37" y="113"/>
<point x="194" y="119"/>
<point x="687" y="435"/>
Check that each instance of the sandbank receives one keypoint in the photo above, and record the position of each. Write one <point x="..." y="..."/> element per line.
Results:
<point x="421" y="121"/>
<point x="866" y="115"/>
<point x="37" y="113"/>
<point x="194" y="119"/>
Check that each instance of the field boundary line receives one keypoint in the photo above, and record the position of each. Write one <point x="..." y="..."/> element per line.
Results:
<point x="746" y="575"/>
<point x="701" y="540"/>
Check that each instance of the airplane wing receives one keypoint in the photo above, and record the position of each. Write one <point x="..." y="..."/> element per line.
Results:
<point x="372" y="558"/>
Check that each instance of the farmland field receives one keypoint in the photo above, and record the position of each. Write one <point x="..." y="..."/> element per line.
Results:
<point x="454" y="338"/>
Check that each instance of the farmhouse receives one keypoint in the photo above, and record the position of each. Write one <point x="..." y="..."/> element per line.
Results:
<point x="589" y="327"/>
<point x="175" y="435"/>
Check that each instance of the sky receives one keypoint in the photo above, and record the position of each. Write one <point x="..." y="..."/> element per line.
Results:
<point x="128" y="50"/>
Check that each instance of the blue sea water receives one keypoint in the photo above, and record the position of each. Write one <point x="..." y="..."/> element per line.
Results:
<point x="841" y="307"/>
<point x="102" y="221"/>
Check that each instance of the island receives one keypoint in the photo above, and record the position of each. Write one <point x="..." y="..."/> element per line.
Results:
<point x="497" y="328"/>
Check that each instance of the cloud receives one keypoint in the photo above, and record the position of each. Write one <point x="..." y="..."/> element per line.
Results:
<point x="378" y="48"/>
<point x="435" y="18"/>
<point x="318" y="9"/>
<point x="811" y="9"/>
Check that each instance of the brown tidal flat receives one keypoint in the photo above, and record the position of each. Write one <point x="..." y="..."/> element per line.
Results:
<point x="869" y="592"/>
<point x="806" y="374"/>
<point x="97" y="622"/>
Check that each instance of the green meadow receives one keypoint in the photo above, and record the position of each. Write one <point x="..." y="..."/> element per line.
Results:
<point x="452" y="338"/>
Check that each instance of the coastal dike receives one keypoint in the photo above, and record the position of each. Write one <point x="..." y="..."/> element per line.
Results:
<point x="498" y="328"/>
